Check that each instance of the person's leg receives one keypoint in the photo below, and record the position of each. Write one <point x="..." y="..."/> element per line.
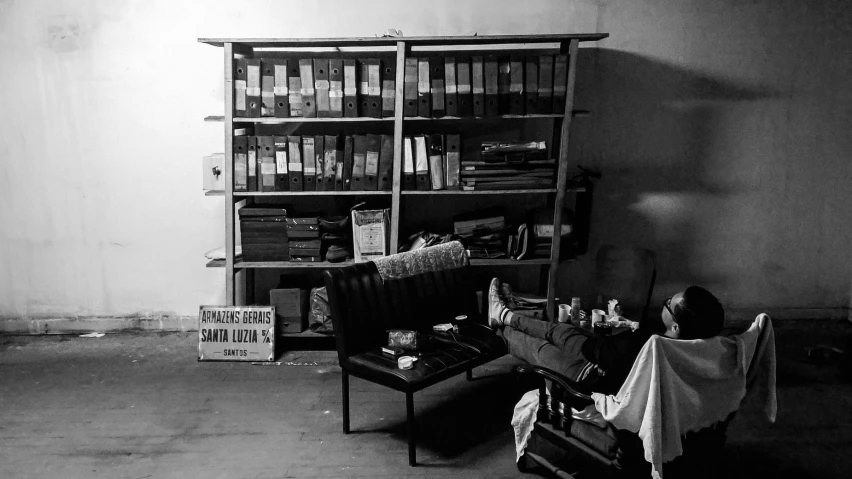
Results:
<point x="541" y="352"/>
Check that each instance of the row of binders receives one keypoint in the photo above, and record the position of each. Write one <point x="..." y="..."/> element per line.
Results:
<point x="433" y="86"/>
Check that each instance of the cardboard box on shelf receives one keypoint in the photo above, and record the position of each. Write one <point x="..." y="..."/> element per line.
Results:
<point x="291" y="309"/>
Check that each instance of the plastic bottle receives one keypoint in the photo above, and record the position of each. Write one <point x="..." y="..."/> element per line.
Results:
<point x="575" y="311"/>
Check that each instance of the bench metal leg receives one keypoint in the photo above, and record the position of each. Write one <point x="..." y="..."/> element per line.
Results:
<point x="409" y="410"/>
<point x="345" y="383"/>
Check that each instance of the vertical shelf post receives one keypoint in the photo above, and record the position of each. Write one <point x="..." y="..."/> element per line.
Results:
<point x="230" y="274"/>
<point x="561" y="180"/>
<point x="397" y="146"/>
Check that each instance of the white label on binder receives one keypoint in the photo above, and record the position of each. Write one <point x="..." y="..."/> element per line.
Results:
<point x="372" y="166"/>
<point x="281" y="161"/>
<point x="295" y="167"/>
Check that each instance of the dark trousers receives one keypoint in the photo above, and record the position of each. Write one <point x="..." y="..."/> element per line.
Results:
<point x="555" y="346"/>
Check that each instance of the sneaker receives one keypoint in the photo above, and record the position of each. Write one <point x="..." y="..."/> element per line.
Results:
<point x="496" y="307"/>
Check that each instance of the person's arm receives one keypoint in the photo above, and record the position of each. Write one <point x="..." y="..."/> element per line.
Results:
<point x="614" y="354"/>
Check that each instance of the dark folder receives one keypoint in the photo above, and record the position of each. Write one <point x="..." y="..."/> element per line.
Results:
<point x="374" y="88"/>
<point x="545" y="84"/>
<point x="309" y="162"/>
<point x="452" y="151"/>
<point x="241" y="163"/>
<point x="560" y="83"/>
<point x="491" y="86"/>
<point x="516" y="85"/>
<point x="477" y="85"/>
<point x="371" y="162"/>
<point x="386" y="163"/>
<point x="421" y="164"/>
<point x="252" y="88"/>
<point x="450" y="89"/>
<point x="424" y="101"/>
<point x="504" y="80"/>
<point x="350" y="88"/>
<point x="267" y="88"/>
<point x="531" y="84"/>
<point x="388" y="87"/>
<point x="294" y="88"/>
<point x="436" y="86"/>
<point x="282" y="182"/>
<point x="329" y="163"/>
<point x="322" y="86"/>
<point x="435" y="144"/>
<point x="295" y="166"/>
<point x="280" y="93"/>
<point x="410" y="87"/>
<point x="463" y="82"/>
<point x="335" y="87"/>
<point x="408" y="176"/>
<point x="240" y="79"/>
<point x="339" y="163"/>
<point x="309" y="97"/>
<point x="319" y="162"/>
<point x="359" y="155"/>
<point x="348" y="152"/>
<point x="268" y="177"/>
<point x="252" y="163"/>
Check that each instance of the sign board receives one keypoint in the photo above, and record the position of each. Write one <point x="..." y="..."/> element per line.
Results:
<point x="236" y="333"/>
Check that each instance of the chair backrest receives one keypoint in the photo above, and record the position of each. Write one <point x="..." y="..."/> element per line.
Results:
<point x="627" y="274"/>
<point x="364" y="307"/>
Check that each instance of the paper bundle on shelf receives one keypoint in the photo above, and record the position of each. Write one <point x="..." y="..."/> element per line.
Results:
<point x="509" y="165"/>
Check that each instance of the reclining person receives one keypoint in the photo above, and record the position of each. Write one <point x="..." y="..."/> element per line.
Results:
<point x="600" y="363"/>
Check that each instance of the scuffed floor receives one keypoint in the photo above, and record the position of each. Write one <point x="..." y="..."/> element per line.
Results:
<point x="139" y="405"/>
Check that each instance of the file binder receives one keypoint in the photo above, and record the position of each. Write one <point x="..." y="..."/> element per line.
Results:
<point x="363" y="87"/>
<point x="504" y="81"/>
<point x="294" y="88"/>
<point x="329" y="163"/>
<point x="350" y="89"/>
<point x="516" y="85"/>
<point x="335" y="87"/>
<point x="408" y="176"/>
<point x="240" y="82"/>
<point x="309" y="164"/>
<point x="359" y="155"/>
<point x="371" y="164"/>
<point x="374" y="88"/>
<point x="322" y="86"/>
<point x="267" y="88"/>
<point x="450" y="90"/>
<point x="421" y="164"/>
<point x="348" y="159"/>
<point x="424" y="101"/>
<point x="294" y="153"/>
<point x="463" y="81"/>
<point x="339" y="163"/>
<point x="309" y="97"/>
<point x="410" y="107"/>
<point x="477" y="85"/>
<point x="386" y="163"/>
<point x="282" y="182"/>
<point x="319" y="162"/>
<point x="545" y="84"/>
<point x="452" y="151"/>
<point x="252" y="163"/>
<point x="268" y="172"/>
<point x="436" y="90"/>
<point x="240" y="163"/>
<point x="560" y="83"/>
<point x="252" y="88"/>
<point x="388" y="88"/>
<point x="435" y="144"/>
<point x="531" y="84"/>
<point x="491" y="86"/>
<point x="280" y="92"/>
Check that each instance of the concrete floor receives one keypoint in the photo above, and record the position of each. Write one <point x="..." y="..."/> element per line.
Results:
<point x="139" y="406"/>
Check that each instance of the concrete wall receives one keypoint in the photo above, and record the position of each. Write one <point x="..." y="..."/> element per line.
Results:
<point x="721" y="129"/>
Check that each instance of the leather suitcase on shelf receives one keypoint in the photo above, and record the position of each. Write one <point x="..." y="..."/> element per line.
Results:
<point x="263" y="231"/>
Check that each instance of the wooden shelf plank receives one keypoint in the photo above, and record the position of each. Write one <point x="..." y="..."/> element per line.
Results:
<point x="312" y="193"/>
<point x="508" y="262"/>
<point x="214" y="193"/>
<point x="480" y="118"/>
<point x="239" y="264"/>
<point x="491" y="192"/>
<point x="219" y="118"/>
<point x="414" y="41"/>
<point x="301" y="119"/>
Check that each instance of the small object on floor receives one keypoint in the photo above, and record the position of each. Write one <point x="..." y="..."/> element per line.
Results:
<point x="92" y="335"/>
<point x="822" y="354"/>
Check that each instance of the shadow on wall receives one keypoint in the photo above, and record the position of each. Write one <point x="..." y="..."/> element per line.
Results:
<point x="654" y="133"/>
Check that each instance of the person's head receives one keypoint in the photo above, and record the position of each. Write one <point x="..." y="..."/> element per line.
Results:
<point x="693" y="313"/>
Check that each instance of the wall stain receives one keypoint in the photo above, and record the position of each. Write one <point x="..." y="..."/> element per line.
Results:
<point x="63" y="34"/>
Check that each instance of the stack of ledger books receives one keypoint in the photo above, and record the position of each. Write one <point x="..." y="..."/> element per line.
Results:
<point x="509" y="165"/>
<point x="304" y="239"/>
<point x="483" y="233"/>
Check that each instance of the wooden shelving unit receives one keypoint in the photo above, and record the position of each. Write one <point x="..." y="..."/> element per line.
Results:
<point x="402" y="48"/>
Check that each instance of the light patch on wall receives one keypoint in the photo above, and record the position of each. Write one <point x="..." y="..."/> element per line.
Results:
<point x="666" y="210"/>
<point x="63" y="34"/>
